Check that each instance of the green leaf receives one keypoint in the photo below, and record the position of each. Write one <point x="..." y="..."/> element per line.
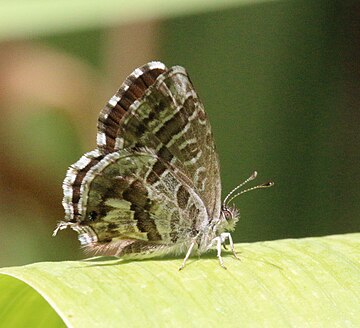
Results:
<point x="306" y="282"/>
<point x="24" y="18"/>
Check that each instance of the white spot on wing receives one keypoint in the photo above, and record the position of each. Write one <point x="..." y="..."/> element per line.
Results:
<point x="113" y="101"/>
<point x="194" y="159"/>
<point x="86" y="235"/>
<point x="138" y="72"/>
<point x="156" y="64"/>
<point x="101" y="139"/>
<point x="187" y="142"/>
<point x="119" y="143"/>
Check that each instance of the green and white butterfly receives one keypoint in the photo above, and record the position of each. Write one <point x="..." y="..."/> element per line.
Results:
<point x="152" y="186"/>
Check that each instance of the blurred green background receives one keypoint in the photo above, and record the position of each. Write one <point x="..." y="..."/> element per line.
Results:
<point x="280" y="82"/>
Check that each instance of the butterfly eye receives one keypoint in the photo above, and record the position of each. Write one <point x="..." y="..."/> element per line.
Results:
<point x="227" y="214"/>
<point x="92" y="215"/>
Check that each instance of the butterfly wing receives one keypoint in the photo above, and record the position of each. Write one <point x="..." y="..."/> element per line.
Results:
<point x="120" y="213"/>
<point x="158" y="108"/>
<point x="153" y="182"/>
<point x="119" y="106"/>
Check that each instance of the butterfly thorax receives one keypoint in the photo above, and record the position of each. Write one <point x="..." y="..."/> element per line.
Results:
<point x="226" y="221"/>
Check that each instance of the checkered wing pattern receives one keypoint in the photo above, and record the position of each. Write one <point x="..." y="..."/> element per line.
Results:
<point x="158" y="108"/>
<point x="153" y="182"/>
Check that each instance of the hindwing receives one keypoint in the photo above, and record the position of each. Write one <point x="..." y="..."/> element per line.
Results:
<point x="120" y="213"/>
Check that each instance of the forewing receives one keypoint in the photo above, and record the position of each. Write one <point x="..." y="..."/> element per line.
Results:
<point x="119" y="106"/>
<point x="167" y="116"/>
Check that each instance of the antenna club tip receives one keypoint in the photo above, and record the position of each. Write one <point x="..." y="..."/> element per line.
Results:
<point x="269" y="184"/>
<point x="254" y="175"/>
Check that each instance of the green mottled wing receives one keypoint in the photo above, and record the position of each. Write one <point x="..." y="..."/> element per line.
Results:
<point x="124" y="214"/>
<point x="153" y="182"/>
<point x="169" y="118"/>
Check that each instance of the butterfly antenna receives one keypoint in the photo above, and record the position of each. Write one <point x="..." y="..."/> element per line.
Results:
<point x="250" y="178"/>
<point x="262" y="186"/>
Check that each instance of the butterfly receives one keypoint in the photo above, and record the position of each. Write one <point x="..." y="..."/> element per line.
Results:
<point x="152" y="185"/>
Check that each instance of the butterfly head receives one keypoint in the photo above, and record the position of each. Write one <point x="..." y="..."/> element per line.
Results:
<point x="230" y="216"/>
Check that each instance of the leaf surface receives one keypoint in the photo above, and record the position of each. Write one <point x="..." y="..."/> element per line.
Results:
<point x="305" y="282"/>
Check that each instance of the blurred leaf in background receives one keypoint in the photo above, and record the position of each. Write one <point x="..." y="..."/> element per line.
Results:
<point x="279" y="80"/>
<point x="275" y="81"/>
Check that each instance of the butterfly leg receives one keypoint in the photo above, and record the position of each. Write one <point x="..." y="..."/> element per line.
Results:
<point x="188" y="254"/>
<point x="219" y="242"/>
<point x="227" y="235"/>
